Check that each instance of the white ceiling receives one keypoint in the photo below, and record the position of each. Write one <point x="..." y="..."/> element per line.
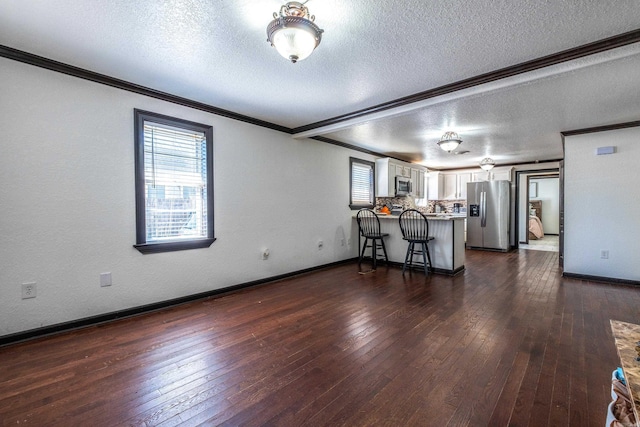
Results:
<point x="372" y="52"/>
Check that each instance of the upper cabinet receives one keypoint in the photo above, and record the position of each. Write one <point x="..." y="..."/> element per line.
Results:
<point x="455" y="185"/>
<point x="435" y="186"/>
<point x="452" y="185"/>
<point x="386" y="171"/>
<point x="418" y="178"/>
<point x="496" y="174"/>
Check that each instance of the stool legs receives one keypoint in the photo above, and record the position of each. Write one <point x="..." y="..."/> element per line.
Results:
<point x="426" y="257"/>
<point x="374" y="253"/>
<point x="362" y="252"/>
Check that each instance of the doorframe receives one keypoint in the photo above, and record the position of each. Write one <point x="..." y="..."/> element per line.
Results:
<point x="534" y="172"/>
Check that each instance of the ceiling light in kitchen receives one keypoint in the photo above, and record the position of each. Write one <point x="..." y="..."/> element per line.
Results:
<point x="293" y="32"/>
<point x="449" y="141"/>
<point x="487" y="164"/>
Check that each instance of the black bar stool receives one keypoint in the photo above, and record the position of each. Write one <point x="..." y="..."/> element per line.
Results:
<point x="369" y="226"/>
<point x="415" y="229"/>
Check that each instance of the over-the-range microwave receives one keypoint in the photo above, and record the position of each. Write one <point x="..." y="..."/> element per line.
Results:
<point x="403" y="186"/>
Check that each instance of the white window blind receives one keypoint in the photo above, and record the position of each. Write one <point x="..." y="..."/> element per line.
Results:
<point x="361" y="184"/>
<point x="175" y="177"/>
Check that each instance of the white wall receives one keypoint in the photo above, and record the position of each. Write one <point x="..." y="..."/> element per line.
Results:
<point x="67" y="202"/>
<point x="602" y="204"/>
<point x="549" y="195"/>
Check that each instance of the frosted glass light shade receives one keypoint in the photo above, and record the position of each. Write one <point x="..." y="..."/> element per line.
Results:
<point x="449" y="141"/>
<point x="294" y="43"/>
<point x="293" y="33"/>
<point x="487" y="164"/>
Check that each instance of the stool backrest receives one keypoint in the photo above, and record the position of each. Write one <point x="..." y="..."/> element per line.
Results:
<point x="368" y="222"/>
<point x="414" y="225"/>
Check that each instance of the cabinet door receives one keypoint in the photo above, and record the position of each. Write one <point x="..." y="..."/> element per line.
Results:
<point x="417" y="178"/>
<point x="421" y="181"/>
<point x="463" y="179"/>
<point x="415" y="190"/>
<point x="450" y="186"/>
<point x="434" y="186"/>
<point x="480" y="176"/>
<point x="502" y="175"/>
<point x="399" y="170"/>
<point x="406" y="171"/>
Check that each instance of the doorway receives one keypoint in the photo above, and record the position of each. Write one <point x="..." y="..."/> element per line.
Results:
<point x="538" y="210"/>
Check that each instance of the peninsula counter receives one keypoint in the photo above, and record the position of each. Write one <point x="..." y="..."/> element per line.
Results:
<point x="446" y="250"/>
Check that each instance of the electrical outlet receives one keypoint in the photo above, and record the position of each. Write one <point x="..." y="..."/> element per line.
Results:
<point x="105" y="279"/>
<point x="265" y="253"/>
<point x="604" y="254"/>
<point x="29" y="290"/>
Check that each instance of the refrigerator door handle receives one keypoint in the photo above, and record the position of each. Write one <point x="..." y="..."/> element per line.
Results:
<point x="483" y="209"/>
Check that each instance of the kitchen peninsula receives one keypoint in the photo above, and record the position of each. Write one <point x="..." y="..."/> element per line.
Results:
<point x="447" y="248"/>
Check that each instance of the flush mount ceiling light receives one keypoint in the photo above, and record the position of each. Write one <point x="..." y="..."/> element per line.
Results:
<point x="487" y="164"/>
<point x="449" y="141"/>
<point x="293" y="33"/>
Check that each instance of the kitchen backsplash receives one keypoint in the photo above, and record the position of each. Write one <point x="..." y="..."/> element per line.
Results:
<point x="445" y="205"/>
<point x="406" y="202"/>
<point x="409" y="203"/>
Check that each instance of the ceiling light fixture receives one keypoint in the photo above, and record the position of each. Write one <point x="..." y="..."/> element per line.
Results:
<point x="293" y="33"/>
<point x="487" y="164"/>
<point x="449" y="141"/>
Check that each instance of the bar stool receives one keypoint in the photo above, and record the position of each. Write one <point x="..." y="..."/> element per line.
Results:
<point x="415" y="229"/>
<point x="369" y="226"/>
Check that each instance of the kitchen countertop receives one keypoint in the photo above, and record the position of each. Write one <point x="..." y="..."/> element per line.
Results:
<point x="430" y="216"/>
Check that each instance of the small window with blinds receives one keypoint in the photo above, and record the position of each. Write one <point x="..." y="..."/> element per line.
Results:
<point x="361" y="183"/>
<point x="174" y="183"/>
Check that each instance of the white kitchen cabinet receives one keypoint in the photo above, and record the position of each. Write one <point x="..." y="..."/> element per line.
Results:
<point x="418" y="180"/>
<point x="463" y="179"/>
<point x="435" y="186"/>
<point x="455" y="185"/>
<point x="500" y="174"/>
<point x="386" y="171"/>
<point x="481" y="176"/>
<point x="496" y="174"/>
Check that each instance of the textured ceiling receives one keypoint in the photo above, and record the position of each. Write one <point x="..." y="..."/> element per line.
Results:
<point x="372" y="52"/>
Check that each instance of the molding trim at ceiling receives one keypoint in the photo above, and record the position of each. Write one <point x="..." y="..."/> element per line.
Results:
<point x="621" y="40"/>
<point x="536" y="162"/>
<point x="49" y="64"/>
<point x="600" y="128"/>
<point x="353" y="147"/>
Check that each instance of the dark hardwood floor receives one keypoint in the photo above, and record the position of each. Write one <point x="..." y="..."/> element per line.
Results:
<point x="509" y="342"/>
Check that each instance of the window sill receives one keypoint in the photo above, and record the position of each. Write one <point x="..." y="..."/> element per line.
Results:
<point x="153" y="248"/>
<point x="358" y="207"/>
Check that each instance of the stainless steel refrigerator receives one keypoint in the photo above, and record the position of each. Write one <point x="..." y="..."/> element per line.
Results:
<point x="488" y="215"/>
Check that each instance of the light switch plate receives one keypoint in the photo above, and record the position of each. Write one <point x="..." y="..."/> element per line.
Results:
<point x="105" y="279"/>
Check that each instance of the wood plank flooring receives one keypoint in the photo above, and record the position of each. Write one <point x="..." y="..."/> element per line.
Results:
<point x="509" y="342"/>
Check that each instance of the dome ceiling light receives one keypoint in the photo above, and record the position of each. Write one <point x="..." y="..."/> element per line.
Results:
<point x="487" y="164"/>
<point x="449" y="141"/>
<point x="293" y="32"/>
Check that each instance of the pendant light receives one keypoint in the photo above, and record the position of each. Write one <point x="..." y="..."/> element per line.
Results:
<point x="293" y="32"/>
<point x="449" y="141"/>
<point x="487" y="164"/>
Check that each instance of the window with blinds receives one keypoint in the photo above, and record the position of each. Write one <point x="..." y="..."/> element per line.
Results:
<point x="361" y="183"/>
<point x="173" y="183"/>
